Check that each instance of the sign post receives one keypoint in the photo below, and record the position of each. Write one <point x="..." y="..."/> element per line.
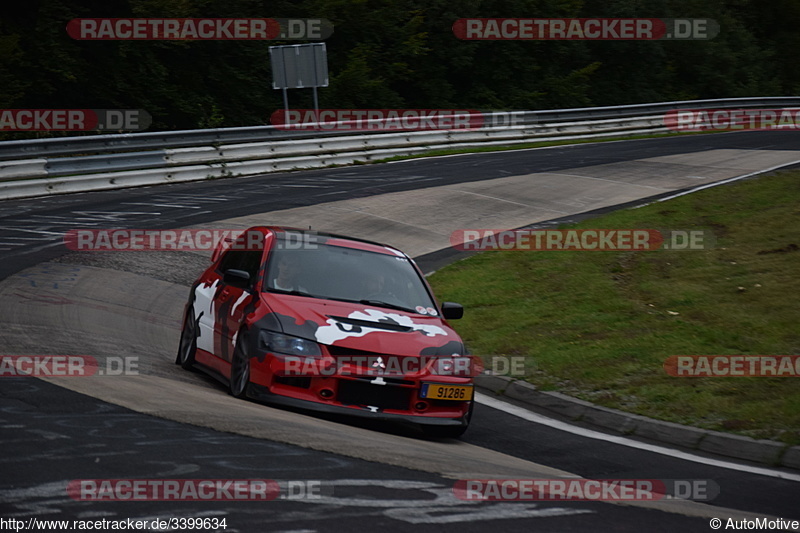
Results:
<point x="299" y="66"/>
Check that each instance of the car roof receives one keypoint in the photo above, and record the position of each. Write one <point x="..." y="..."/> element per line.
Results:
<point x="332" y="239"/>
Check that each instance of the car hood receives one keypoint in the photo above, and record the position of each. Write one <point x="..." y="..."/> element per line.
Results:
<point x="365" y="328"/>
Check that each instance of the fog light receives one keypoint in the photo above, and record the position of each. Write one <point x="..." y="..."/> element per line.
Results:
<point x="326" y="393"/>
<point x="421" y="406"/>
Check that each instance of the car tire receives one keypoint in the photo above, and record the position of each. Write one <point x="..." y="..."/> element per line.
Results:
<point x="187" y="348"/>
<point x="449" y="432"/>
<point x="240" y="367"/>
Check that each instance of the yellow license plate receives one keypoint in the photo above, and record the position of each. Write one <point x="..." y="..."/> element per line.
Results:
<point x="457" y="393"/>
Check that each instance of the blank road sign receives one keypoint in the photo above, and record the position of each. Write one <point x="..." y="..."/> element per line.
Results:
<point x="299" y="66"/>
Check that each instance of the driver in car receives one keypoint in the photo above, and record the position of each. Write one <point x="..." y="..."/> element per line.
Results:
<point x="288" y="273"/>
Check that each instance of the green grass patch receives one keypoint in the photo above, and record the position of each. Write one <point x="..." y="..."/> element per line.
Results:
<point x="599" y="325"/>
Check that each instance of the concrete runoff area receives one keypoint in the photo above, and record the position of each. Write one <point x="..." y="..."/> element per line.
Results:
<point x="421" y="221"/>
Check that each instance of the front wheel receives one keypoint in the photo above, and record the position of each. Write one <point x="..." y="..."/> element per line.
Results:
<point x="240" y="367"/>
<point x="187" y="348"/>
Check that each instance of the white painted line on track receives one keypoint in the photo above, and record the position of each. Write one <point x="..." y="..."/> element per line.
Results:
<point x="151" y="204"/>
<point x="618" y="182"/>
<point x="623" y="441"/>
<point x="509" y="201"/>
<point x="723" y="182"/>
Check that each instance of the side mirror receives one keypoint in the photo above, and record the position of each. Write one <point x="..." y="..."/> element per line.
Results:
<point x="236" y="278"/>
<point x="452" y="311"/>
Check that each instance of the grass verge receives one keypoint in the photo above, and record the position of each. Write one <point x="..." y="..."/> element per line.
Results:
<point x="599" y="325"/>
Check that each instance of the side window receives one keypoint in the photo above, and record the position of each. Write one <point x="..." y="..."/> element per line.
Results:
<point x="249" y="261"/>
<point x="231" y="259"/>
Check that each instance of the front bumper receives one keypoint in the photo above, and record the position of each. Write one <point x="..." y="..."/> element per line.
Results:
<point x="263" y="394"/>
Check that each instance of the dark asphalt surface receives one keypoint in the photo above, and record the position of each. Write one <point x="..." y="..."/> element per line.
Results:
<point x="594" y="459"/>
<point x="52" y="436"/>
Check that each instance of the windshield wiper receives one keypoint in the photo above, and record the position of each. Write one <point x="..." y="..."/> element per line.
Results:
<point x="381" y="303"/>
<point x="377" y="303"/>
<point x="293" y="292"/>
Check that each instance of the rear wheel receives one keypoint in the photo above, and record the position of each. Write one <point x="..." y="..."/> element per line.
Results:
<point x="240" y="367"/>
<point x="187" y="348"/>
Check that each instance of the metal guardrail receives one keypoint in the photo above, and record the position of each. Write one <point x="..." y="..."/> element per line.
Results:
<point x="66" y="166"/>
<point x="89" y="144"/>
<point x="663" y="107"/>
<point x="126" y="161"/>
<point x="142" y="141"/>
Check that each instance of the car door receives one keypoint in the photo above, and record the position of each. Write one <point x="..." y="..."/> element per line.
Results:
<point x="232" y="302"/>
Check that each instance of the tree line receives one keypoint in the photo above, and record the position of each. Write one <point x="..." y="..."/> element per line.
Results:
<point x="391" y="54"/>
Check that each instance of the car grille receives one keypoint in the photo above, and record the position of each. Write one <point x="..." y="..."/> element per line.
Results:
<point x="396" y="365"/>
<point x="363" y="393"/>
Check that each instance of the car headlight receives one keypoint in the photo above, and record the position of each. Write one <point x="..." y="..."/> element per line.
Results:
<point x="456" y="365"/>
<point x="287" y="344"/>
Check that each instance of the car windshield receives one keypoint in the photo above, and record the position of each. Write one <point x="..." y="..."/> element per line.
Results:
<point x="348" y="274"/>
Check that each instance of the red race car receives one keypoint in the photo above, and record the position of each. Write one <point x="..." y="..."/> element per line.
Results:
<point x="329" y="323"/>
